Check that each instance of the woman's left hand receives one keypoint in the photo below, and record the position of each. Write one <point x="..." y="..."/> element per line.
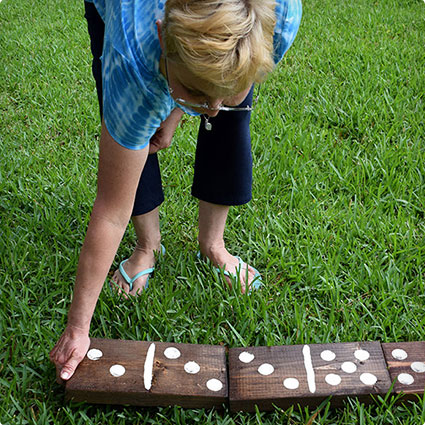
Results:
<point x="164" y="134"/>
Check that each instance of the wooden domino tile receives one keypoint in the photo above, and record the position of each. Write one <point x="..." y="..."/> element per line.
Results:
<point x="151" y="374"/>
<point x="406" y="365"/>
<point x="195" y="376"/>
<point x="305" y="375"/>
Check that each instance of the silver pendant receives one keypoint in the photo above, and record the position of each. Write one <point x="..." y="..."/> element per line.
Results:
<point x="208" y="125"/>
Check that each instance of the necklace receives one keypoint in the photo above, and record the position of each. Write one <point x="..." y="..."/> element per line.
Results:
<point x="207" y="125"/>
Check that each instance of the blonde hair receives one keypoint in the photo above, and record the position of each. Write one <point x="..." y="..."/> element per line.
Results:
<point x="226" y="43"/>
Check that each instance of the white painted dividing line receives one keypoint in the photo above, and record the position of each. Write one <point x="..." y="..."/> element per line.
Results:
<point x="308" y="364"/>
<point x="147" y="374"/>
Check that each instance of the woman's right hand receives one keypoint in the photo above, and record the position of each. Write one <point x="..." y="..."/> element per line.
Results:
<point x="69" y="351"/>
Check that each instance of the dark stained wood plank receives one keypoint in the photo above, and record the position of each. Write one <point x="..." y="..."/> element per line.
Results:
<point x="247" y="387"/>
<point x="171" y="385"/>
<point x="406" y="365"/>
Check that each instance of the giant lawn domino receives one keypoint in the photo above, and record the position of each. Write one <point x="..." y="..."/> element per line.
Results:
<point x="144" y="373"/>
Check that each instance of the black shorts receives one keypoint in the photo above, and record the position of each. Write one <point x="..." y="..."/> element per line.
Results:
<point x="223" y="160"/>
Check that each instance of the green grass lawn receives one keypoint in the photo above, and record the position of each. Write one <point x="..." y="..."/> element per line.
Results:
<point x="336" y="225"/>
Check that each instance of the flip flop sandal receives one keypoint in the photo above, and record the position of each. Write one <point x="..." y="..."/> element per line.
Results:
<point x="256" y="283"/>
<point x="131" y="280"/>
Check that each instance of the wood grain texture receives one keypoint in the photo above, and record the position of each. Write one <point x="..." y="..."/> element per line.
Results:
<point x="248" y="388"/>
<point x="415" y="353"/>
<point x="171" y="385"/>
<point x="245" y="387"/>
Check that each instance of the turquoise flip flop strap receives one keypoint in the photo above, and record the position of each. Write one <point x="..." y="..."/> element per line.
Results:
<point x="256" y="283"/>
<point x="130" y="280"/>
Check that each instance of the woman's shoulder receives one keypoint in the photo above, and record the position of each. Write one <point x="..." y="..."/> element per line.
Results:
<point x="130" y="27"/>
<point x="288" y="19"/>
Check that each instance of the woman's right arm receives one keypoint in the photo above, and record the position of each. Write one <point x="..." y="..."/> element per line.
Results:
<point x="119" y="171"/>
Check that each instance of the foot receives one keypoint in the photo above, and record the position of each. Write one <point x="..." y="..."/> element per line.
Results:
<point x="141" y="259"/>
<point x="222" y="259"/>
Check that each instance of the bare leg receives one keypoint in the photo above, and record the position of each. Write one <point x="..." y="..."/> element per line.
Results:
<point x="212" y="221"/>
<point x="143" y="257"/>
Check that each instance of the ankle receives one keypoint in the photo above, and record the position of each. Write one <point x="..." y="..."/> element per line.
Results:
<point x="147" y="246"/>
<point x="145" y="251"/>
<point x="213" y="250"/>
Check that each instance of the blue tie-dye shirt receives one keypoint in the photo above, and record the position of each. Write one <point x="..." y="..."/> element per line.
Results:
<point x="135" y="94"/>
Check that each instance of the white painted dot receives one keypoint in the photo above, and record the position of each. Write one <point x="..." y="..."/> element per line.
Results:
<point x="327" y="355"/>
<point x="291" y="383"/>
<point x="399" y="354"/>
<point x="172" y="353"/>
<point x="266" y="369"/>
<point x="405" y="379"/>
<point x="361" y="355"/>
<point x="94" y="354"/>
<point x="246" y="357"/>
<point x="333" y="379"/>
<point x="349" y="367"/>
<point x="192" y="368"/>
<point x="368" y="379"/>
<point x="117" y="370"/>
<point x="418" y="367"/>
<point x="214" y="385"/>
